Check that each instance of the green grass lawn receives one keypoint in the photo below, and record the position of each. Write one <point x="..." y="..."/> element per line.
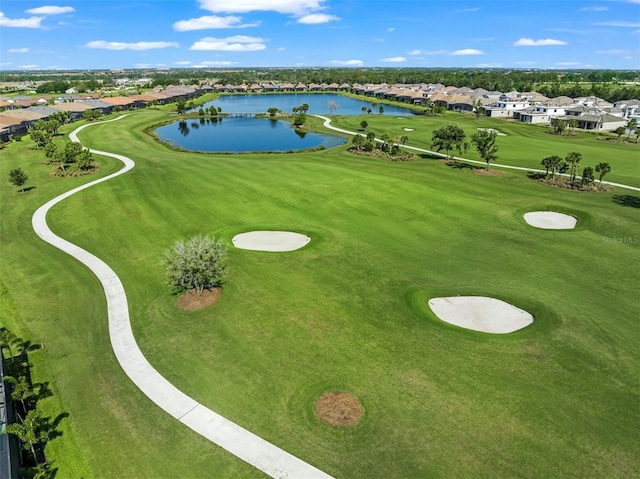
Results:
<point x="524" y="145"/>
<point x="348" y="312"/>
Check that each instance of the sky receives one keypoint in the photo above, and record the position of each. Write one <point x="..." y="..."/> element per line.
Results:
<point x="126" y="34"/>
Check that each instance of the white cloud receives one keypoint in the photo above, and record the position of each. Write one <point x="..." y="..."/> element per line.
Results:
<point x="31" y="22"/>
<point x="619" y="24"/>
<point x="393" y="60"/>
<point x="292" y="7"/>
<point x="237" y="43"/>
<point x="490" y="65"/>
<point x="50" y="10"/>
<point x="391" y="29"/>
<point x="427" y="52"/>
<point x="211" y="21"/>
<point x="467" y="51"/>
<point x="347" y="63"/>
<point x="18" y="50"/>
<point x="317" y="18"/>
<point x="614" y="52"/>
<point x="530" y="42"/>
<point x="594" y="8"/>
<point x="568" y="64"/>
<point x="282" y="49"/>
<point x="186" y="62"/>
<point x="28" y="67"/>
<point x="142" y="65"/>
<point x="101" y="44"/>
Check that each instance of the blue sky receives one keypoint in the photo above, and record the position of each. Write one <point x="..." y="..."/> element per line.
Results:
<point x="98" y="34"/>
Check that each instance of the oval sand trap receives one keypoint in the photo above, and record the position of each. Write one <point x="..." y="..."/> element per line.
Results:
<point x="480" y="313"/>
<point x="408" y="129"/>
<point x="274" y="241"/>
<point x="550" y="220"/>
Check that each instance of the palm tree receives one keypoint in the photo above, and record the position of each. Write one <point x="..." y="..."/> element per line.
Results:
<point x="386" y="138"/>
<point x="619" y="131"/>
<point x="602" y="169"/>
<point x="7" y="338"/>
<point x="21" y="391"/>
<point x="573" y="159"/>
<point x="31" y="431"/>
<point x="371" y="136"/>
<point x="631" y="126"/>
<point x="551" y="163"/>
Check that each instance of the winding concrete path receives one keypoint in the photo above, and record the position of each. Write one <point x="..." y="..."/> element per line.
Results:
<point x="252" y="449"/>
<point x="327" y="124"/>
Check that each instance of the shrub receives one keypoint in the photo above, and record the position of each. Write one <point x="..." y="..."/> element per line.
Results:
<point x="195" y="264"/>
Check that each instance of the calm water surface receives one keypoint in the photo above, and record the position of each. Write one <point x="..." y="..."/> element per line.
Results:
<point x="318" y="104"/>
<point x="239" y="135"/>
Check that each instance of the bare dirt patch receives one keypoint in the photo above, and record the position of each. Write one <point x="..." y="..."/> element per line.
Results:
<point x="339" y="408"/>
<point x="190" y="301"/>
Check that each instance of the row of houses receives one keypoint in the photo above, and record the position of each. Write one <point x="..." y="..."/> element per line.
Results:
<point x="591" y="113"/>
<point x="16" y="120"/>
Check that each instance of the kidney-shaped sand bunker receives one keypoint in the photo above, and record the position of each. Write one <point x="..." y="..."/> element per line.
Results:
<point x="480" y="313"/>
<point x="550" y="220"/>
<point x="274" y="241"/>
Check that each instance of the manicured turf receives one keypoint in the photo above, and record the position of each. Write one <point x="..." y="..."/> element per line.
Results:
<point x="524" y="145"/>
<point x="348" y="312"/>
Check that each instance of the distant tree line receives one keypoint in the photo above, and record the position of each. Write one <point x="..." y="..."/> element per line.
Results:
<point x="551" y="83"/>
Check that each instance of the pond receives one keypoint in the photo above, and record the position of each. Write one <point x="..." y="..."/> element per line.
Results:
<point x="318" y="104"/>
<point x="242" y="135"/>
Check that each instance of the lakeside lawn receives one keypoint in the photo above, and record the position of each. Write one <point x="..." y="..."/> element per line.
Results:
<point x="348" y="312"/>
<point x="524" y="145"/>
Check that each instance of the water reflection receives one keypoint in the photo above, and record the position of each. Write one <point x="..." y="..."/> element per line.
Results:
<point x="237" y="134"/>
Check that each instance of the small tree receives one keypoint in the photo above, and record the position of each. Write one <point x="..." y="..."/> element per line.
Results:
<point x="602" y="169"/>
<point x="273" y="111"/>
<point x="371" y="136"/>
<point x="587" y="175"/>
<point x="551" y="163"/>
<point x="631" y="126"/>
<point x="40" y="137"/>
<point x="332" y="106"/>
<point x="18" y="178"/>
<point x="478" y="109"/>
<point x="196" y="264"/>
<point x="485" y="142"/>
<point x="181" y="105"/>
<point x="572" y="124"/>
<point x="381" y="109"/>
<point x="447" y="138"/>
<point x="364" y="124"/>
<point x="558" y="126"/>
<point x="620" y="131"/>
<point x="300" y="119"/>
<point x="358" y="142"/>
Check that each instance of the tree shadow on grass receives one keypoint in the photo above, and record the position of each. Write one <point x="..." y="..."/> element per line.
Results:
<point x="533" y="175"/>
<point x="460" y="165"/>
<point x="627" y="200"/>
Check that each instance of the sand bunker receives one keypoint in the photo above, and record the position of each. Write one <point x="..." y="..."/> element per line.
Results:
<point x="480" y="313"/>
<point x="408" y="129"/>
<point x="275" y="241"/>
<point x="492" y="130"/>
<point x="549" y="220"/>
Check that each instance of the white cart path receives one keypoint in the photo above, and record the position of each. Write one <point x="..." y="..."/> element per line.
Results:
<point x="252" y="449"/>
